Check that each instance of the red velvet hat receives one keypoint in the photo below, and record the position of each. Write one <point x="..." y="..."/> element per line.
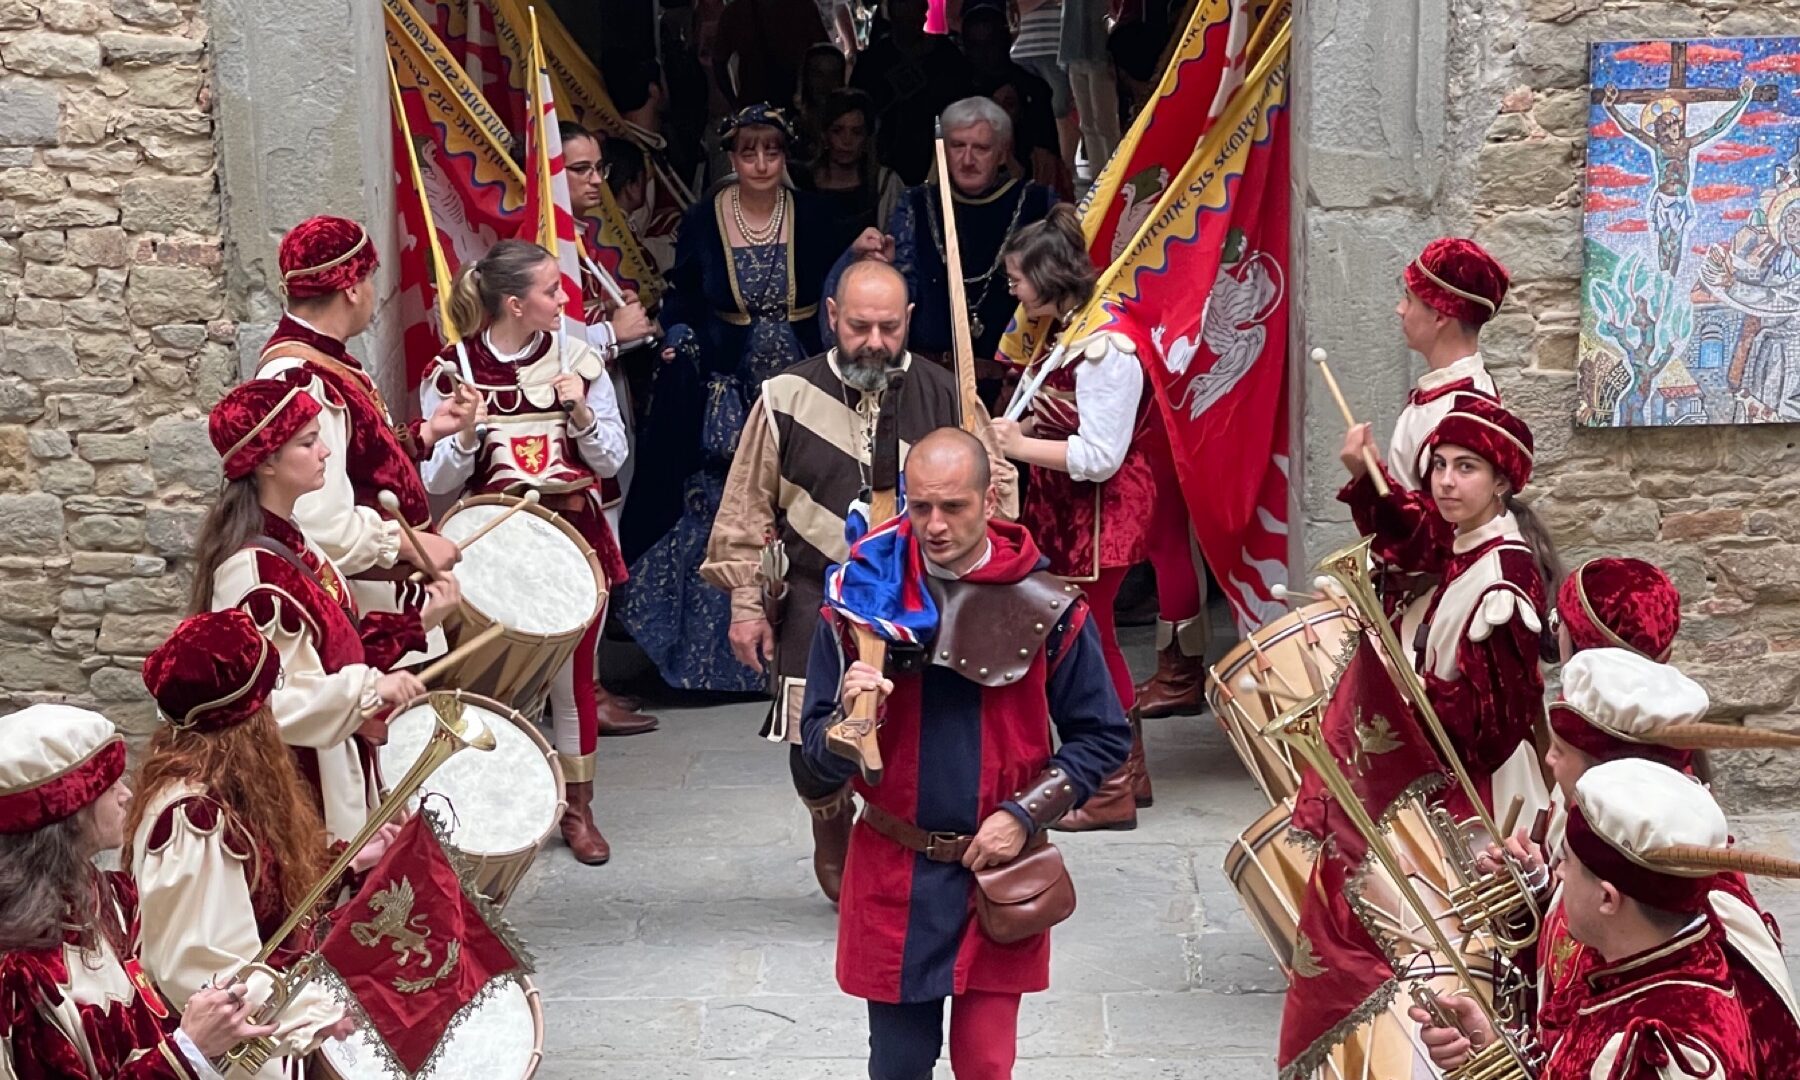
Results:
<point x="323" y="255"/>
<point x="1620" y="603"/>
<point x="1485" y="427"/>
<point x="215" y="671"/>
<point x="54" y="762"/>
<point x="251" y="422"/>
<point x="1458" y="278"/>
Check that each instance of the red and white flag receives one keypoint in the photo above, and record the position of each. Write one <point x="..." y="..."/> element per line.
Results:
<point x="549" y="219"/>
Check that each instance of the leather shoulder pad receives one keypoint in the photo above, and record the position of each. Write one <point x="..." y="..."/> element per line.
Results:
<point x="989" y="634"/>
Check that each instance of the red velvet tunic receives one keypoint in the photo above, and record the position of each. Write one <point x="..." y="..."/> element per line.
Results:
<point x="127" y="1038"/>
<point x="1085" y="527"/>
<point x="1670" y="1011"/>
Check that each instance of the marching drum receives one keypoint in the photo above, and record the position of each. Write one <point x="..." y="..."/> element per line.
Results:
<point x="533" y="575"/>
<point x="1292" y="654"/>
<point x="500" y="1039"/>
<point x="504" y="803"/>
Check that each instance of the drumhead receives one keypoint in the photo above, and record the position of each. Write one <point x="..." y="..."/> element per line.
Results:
<point x="494" y="1042"/>
<point x="504" y="799"/>
<point x="525" y="574"/>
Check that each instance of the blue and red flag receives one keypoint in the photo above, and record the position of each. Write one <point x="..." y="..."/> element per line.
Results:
<point x="881" y="585"/>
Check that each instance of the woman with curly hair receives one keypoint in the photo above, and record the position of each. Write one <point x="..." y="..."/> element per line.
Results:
<point x="223" y="838"/>
<point x="74" y="1004"/>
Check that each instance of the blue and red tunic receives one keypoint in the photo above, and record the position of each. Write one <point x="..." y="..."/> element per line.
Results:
<point x="955" y="752"/>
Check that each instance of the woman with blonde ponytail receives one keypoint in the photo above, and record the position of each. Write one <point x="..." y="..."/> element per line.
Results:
<point x="1091" y="490"/>
<point x="547" y="420"/>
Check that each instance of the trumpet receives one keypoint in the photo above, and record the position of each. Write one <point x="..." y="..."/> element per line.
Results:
<point x="1501" y="902"/>
<point x="452" y="733"/>
<point x="1511" y="1056"/>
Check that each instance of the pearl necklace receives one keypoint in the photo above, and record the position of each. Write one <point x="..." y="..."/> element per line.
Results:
<point x="770" y="232"/>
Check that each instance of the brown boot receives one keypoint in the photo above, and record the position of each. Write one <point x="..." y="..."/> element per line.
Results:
<point x="1178" y="687"/>
<point x="1138" y="766"/>
<point x="832" y="817"/>
<point x="1114" y="806"/>
<point x="619" y="716"/>
<point x="578" y="828"/>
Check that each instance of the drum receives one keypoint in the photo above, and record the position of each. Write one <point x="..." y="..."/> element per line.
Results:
<point x="1269" y="870"/>
<point x="500" y="1039"/>
<point x="504" y="802"/>
<point x="533" y="575"/>
<point x="1292" y="655"/>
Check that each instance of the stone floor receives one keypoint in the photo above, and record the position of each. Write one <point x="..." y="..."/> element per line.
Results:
<point x="704" y="950"/>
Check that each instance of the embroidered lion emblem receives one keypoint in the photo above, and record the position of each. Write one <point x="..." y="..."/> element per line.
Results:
<point x="394" y="918"/>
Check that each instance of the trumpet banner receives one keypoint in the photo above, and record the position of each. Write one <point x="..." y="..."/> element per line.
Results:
<point x="417" y="947"/>
<point x="1341" y="976"/>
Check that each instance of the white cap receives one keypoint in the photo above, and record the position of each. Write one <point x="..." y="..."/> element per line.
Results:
<point x="55" y="760"/>
<point x="1639" y="806"/>
<point x="1630" y="696"/>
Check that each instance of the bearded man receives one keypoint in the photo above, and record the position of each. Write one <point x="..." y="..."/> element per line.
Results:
<point x="803" y="459"/>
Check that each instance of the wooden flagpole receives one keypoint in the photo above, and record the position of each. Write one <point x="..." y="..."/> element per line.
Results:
<point x="969" y="407"/>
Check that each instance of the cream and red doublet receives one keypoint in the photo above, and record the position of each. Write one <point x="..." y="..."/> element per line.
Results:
<point x="331" y="657"/>
<point x="1427" y="404"/>
<point x="211" y="893"/>
<point x="70" y="1015"/>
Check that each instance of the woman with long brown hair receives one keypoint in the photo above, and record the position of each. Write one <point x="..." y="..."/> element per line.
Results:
<point x="223" y="837"/>
<point x="1091" y="488"/>
<point x="71" y="1004"/>
<point x="542" y="389"/>
<point x="250" y="555"/>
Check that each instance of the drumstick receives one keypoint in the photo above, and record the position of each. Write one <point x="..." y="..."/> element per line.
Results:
<point x="391" y="503"/>
<point x="1368" y="452"/>
<point x="454" y="656"/>
<point x="530" y="498"/>
<point x="1511" y="821"/>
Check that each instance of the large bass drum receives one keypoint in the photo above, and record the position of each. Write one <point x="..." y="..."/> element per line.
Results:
<point x="533" y="575"/>
<point x="503" y="804"/>
<point x="1296" y="656"/>
<point x="500" y="1039"/>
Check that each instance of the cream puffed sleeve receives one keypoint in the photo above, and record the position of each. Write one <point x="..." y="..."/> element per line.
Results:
<point x="199" y="926"/>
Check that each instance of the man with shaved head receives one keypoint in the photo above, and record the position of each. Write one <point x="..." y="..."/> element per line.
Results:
<point x="1007" y="653"/>
<point x="803" y="459"/>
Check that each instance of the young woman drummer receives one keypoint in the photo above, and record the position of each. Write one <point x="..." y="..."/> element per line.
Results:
<point x="1091" y="489"/>
<point x="1483" y="636"/>
<point x="550" y="421"/>
<point x="251" y="555"/>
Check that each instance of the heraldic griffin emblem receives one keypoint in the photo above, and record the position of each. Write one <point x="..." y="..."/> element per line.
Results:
<point x="394" y="918"/>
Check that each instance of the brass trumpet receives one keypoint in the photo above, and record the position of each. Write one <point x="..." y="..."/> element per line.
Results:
<point x="1511" y="1056"/>
<point x="1501" y="902"/>
<point x="450" y="735"/>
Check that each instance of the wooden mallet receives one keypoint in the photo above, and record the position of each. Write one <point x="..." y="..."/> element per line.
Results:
<point x="1368" y="452"/>
<point x="391" y="503"/>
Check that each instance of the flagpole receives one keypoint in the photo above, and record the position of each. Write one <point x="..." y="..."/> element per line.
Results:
<point x="439" y="270"/>
<point x="962" y="344"/>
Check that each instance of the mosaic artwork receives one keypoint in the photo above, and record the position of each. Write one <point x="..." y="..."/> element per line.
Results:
<point x="1691" y="286"/>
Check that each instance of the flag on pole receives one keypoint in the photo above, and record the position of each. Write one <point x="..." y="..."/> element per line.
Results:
<point x="458" y="189"/>
<point x="548" y="219"/>
<point x="1217" y="359"/>
<point x="1338" y="978"/>
<point x="1207" y="65"/>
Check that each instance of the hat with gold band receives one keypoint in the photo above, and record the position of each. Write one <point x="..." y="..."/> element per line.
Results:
<point x="54" y="762"/>
<point x="253" y="421"/>
<point x="214" y="672"/>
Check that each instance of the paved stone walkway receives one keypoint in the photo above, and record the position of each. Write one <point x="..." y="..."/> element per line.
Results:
<point x="704" y="950"/>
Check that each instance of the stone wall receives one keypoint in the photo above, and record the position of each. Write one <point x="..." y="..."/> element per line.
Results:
<point x="113" y="341"/>
<point x="1719" y="508"/>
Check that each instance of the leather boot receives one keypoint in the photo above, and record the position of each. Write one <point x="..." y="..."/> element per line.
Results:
<point x="578" y="828"/>
<point x="1113" y="807"/>
<point x="1178" y="686"/>
<point x="1138" y="766"/>
<point x="832" y="817"/>
<point x="620" y="717"/>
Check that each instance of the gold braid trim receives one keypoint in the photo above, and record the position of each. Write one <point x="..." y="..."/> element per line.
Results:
<point x="1587" y="609"/>
<point x="1313" y="1058"/>
<point x="263" y="423"/>
<point x="1419" y="265"/>
<point x="307" y="271"/>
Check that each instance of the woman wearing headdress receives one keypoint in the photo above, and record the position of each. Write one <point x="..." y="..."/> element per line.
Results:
<point x="251" y="555"/>
<point x="223" y="838"/>
<point x="1090" y="494"/>
<point x="1482" y="638"/>
<point x="742" y="305"/>
<point x="74" y="1002"/>
<point x="542" y="389"/>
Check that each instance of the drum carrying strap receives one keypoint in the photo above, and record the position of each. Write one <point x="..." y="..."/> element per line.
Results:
<point x="276" y="547"/>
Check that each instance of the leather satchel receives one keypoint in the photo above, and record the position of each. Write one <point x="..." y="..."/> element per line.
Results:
<point x="1024" y="897"/>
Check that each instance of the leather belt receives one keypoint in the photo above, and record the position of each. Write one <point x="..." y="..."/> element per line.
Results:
<point x="943" y="847"/>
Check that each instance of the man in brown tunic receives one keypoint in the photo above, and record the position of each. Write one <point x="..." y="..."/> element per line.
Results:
<point x="803" y="459"/>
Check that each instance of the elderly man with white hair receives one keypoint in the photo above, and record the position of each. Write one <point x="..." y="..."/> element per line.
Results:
<point x="991" y="205"/>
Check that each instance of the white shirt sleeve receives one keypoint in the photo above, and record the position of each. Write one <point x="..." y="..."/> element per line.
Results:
<point x="1107" y="392"/>
<point x="449" y="467"/>
<point x="203" y="1069"/>
<point x="602" y="336"/>
<point x="356" y="537"/>
<point x="602" y="445"/>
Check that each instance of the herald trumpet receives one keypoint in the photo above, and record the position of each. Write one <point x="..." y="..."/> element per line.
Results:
<point x="451" y="734"/>
<point x="1501" y="902"/>
<point x="1512" y="1055"/>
